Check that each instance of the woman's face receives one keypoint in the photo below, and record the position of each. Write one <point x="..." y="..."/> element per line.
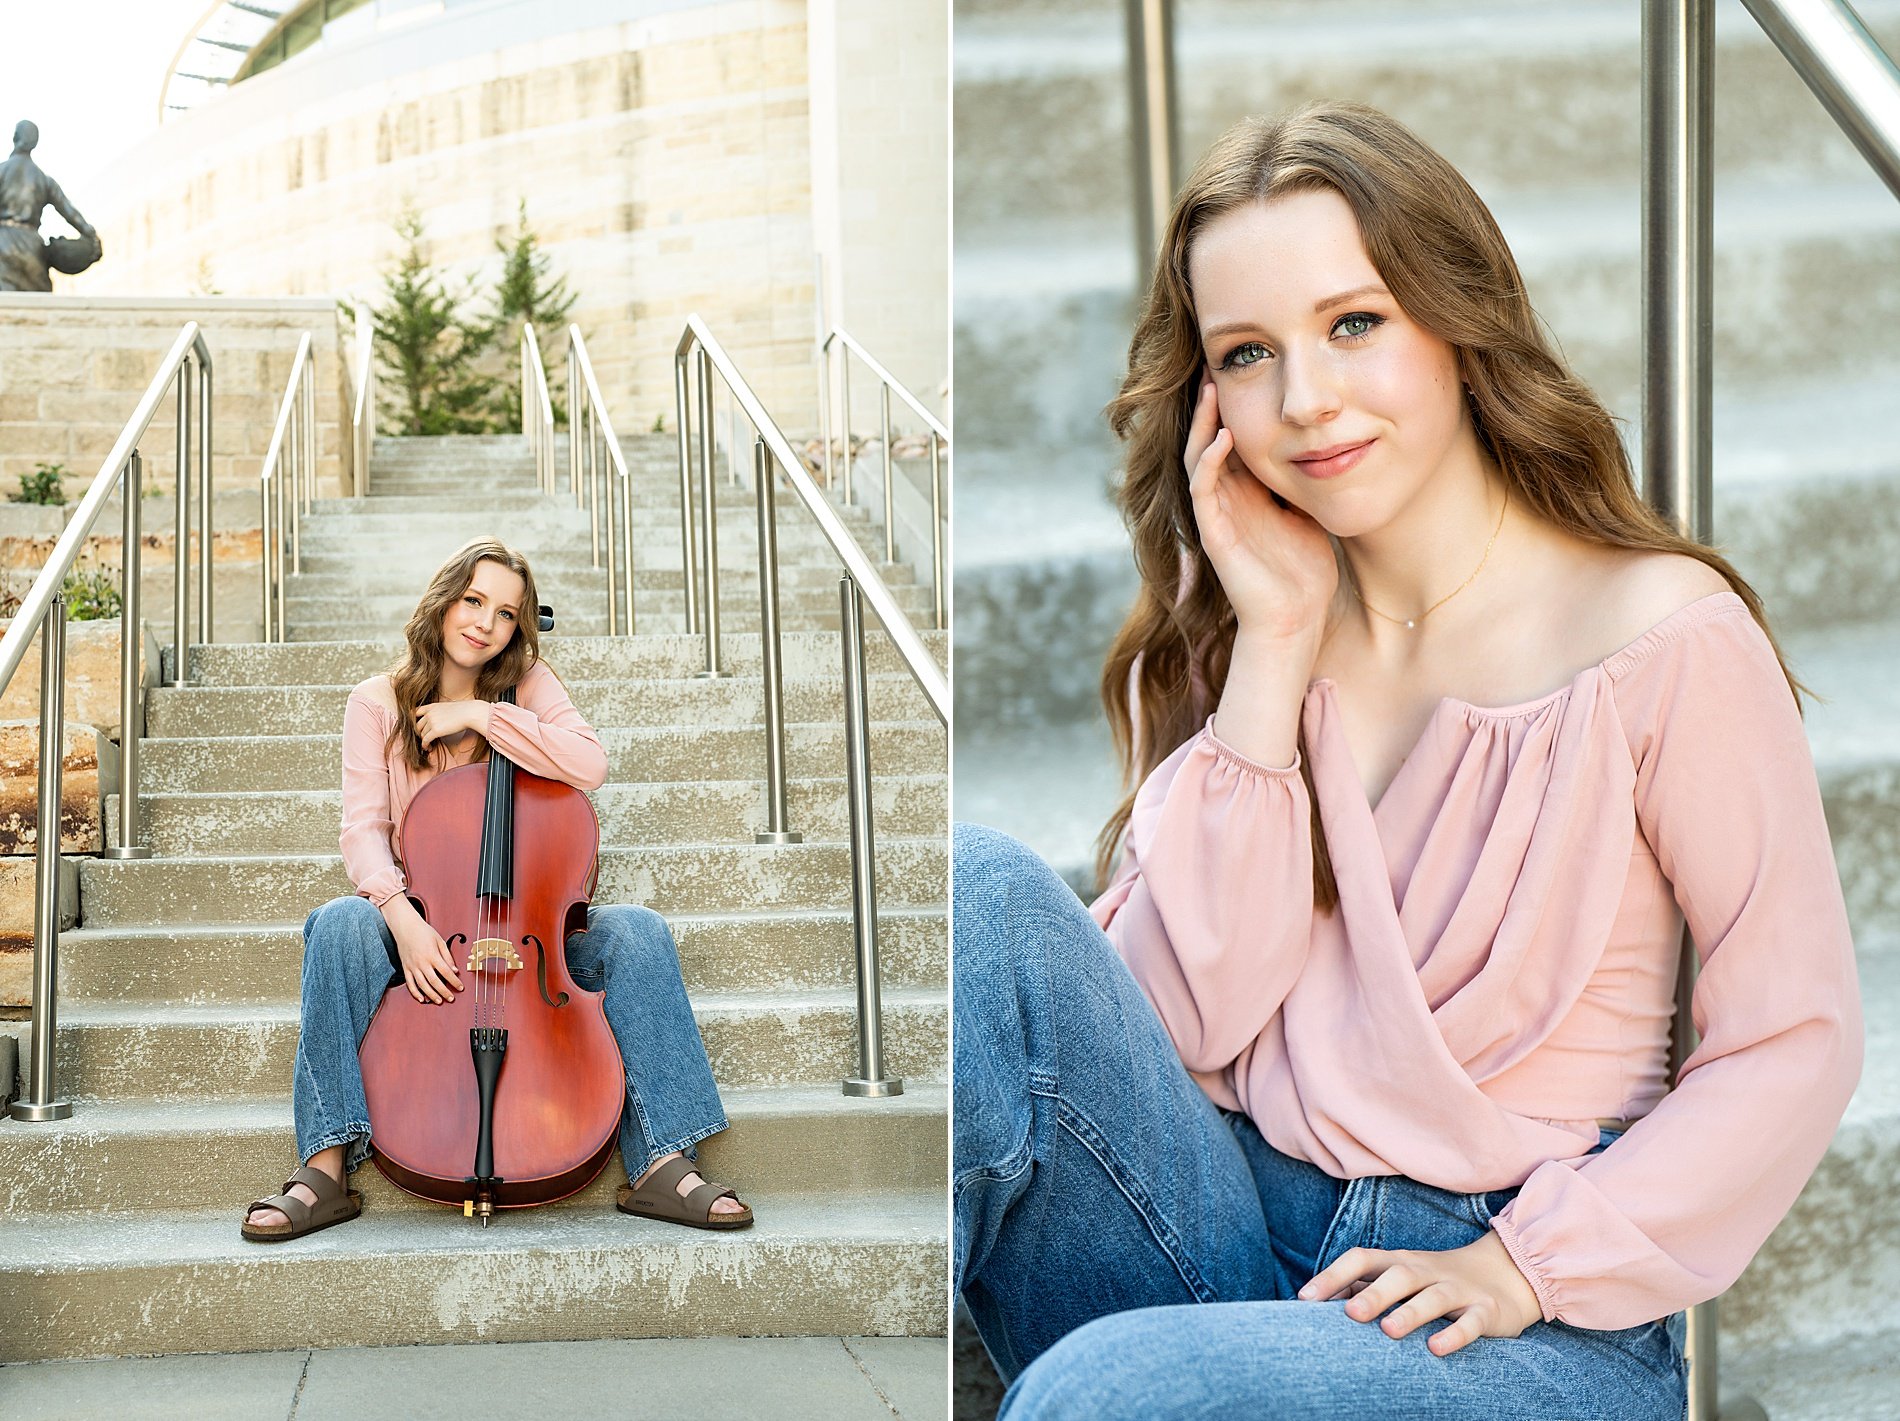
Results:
<point x="1297" y="372"/>
<point x="481" y="622"/>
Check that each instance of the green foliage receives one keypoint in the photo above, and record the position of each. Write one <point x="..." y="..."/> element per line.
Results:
<point x="42" y="485"/>
<point x="92" y="594"/>
<point x="427" y="348"/>
<point x="659" y="422"/>
<point x="528" y="292"/>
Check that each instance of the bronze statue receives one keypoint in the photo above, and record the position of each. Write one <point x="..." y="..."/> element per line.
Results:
<point x="27" y="260"/>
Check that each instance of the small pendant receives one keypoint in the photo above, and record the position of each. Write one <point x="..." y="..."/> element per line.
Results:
<point x="1411" y="624"/>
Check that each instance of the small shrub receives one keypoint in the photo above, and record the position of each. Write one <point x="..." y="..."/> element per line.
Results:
<point x="42" y="486"/>
<point x="92" y="594"/>
<point x="659" y="423"/>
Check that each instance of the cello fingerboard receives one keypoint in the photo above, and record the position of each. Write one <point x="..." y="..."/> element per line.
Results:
<point x="495" y="875"/>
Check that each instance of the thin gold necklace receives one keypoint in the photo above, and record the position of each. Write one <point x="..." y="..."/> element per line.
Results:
<point x="1414" y="621"/>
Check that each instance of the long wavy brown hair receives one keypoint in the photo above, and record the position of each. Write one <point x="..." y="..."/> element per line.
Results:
<point x="417" y="673"/>
<point x="1439" y="252"/>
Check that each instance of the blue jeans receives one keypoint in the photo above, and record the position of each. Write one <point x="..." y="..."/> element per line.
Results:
<point x="1128" y="1249"/>
<point x="349" y="960"/>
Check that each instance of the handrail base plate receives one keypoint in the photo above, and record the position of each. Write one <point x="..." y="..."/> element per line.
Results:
<point x="889" y="1086"/>
<point x="53" y="1110"/>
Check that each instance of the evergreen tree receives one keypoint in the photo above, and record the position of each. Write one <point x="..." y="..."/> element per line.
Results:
<point x="527" y="292"/>
<point x="426" y="349"/>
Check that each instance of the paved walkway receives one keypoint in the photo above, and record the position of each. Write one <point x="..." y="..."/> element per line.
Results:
<point x="707" y="1379"/>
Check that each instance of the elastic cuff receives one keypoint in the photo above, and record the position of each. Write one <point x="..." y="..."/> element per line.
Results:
<point x="1233" y="756"/>
<point x="1514" y="1245"/>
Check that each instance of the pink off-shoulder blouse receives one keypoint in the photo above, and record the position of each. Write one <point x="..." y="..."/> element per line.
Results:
<point x="542" y="733"/>
<point x="1500" y="972"/>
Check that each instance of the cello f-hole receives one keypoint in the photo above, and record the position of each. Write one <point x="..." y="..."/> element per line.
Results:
<point x="541" y="971"/>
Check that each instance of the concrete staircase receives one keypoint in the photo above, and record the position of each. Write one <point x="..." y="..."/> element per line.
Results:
<point x="1539" y="105"/>
<point x="179" y="1003"/>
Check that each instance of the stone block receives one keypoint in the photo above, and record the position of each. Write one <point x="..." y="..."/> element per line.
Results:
<point x="92" y="677"/>
<point x="79" y="800"/>
<point x="16" y="923"/>
<point x="31" y="520"/>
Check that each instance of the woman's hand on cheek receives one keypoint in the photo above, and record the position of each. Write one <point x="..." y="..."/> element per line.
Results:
<point x="1478" y="1285"/>
<point x="1275" y="564"/>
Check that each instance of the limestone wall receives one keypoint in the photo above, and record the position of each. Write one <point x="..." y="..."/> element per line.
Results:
<point x="72" y="370"/>
<point x="662" y="149"/>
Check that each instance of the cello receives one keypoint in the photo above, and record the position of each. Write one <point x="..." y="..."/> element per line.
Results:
<point x="509" y="1094"/>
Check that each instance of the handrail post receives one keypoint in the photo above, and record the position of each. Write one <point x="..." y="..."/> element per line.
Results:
<point x="777" y="818"/>
<point x="277" y="553"/>
<point x="626" y="548"/>
<point x="890" y="507"/>
<point x="591" y="472"/>
<point x="205" y="521"/>
<point x="263" y="551"/>
<point x="574" y="417"/>
<point x="709" y="602"/>
<point x="936" y="530"/>
<point x="824" y="404"/>
<point x="870" y="1079"/>
<point x="689" y="552"/>
<point x="131" y="676"/>
<point x="40" y="1103"/>
<point x="613" y="547"/>
<point x="844" y="396"/>
<point x="181" y="536"/>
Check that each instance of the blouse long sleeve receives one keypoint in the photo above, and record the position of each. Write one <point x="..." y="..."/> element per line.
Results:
<point x="1726" y="795"/>
<point x="367" y="825"/>
<point x="1212" y="906"/>
<point x="546" y="735"/>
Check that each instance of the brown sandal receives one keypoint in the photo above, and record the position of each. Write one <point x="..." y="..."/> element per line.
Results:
<point x="659" y="1198"/>
<point x="335" y="1205"/>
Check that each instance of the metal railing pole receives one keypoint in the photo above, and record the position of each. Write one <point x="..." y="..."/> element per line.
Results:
<point x="777" y="817"/>
<point x="181" y="532"/>
<point x="844" y="396"/>
<point x="1844" y="66"/>
<point x="870" y="1079"/>
<point x="626" y="548"/>
<point x="689" y="552"/>
<point x="39" y="1103"/>
<point x="890" y="507"/>
<point x="936" y="530"/>
<point x="310" y="431"/>
<point x="277" y="554"/>
<point x="575" y="418"/>
<point x="709" y="601"/>
<point x="1154" y="122"/>
<point x="613" y="543"/>
<point x="590" y="474"/>
<point x="131" y="675"/>
<point x="263" y="551"/>
<point x="824" y="405"/>
<point x="296" y="438"/>
<point x="205" y="520"/>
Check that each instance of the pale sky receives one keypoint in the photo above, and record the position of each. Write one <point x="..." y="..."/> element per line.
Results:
<point x="88" y="72"/>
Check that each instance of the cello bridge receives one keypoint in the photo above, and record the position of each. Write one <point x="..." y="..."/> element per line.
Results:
<point x="493" y="947"/>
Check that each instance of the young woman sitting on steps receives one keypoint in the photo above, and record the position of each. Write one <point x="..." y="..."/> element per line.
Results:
<point x="473" y="635"/>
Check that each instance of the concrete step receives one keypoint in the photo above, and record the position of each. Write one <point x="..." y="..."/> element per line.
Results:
<point x="567" y="585"/>
<point x="794" y="616"/>
<point x="788" y="950"/>
<point x="337" y="517"/>
<point x="671" y="878"/>
<point x="793" y="1140"/>
<point x="1060" y="73"/>
<point x="345" y="663"/>
<point x="83" y="1285"/>
<point x="729" y="701"/>
<point x="310" y="821"/>
<point x="209" y="764"/>
<point x="586" y="613"/>
<point x="117" y="1052"/>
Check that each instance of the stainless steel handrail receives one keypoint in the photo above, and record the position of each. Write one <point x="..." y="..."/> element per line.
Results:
<point x="1847" y="70"/>
<point x="290" y="457"/>
<point x="537" y="409"/>
<point x="45" y="606"/>
<point x="363" y="408"/>
<point x="599" y="436"/>
<point x="860" y="580"/>
<point x="849" y="345"/>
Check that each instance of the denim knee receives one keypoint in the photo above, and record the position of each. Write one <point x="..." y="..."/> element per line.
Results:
<point x="341" y="928"/>
<point x="630" y="938"/>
